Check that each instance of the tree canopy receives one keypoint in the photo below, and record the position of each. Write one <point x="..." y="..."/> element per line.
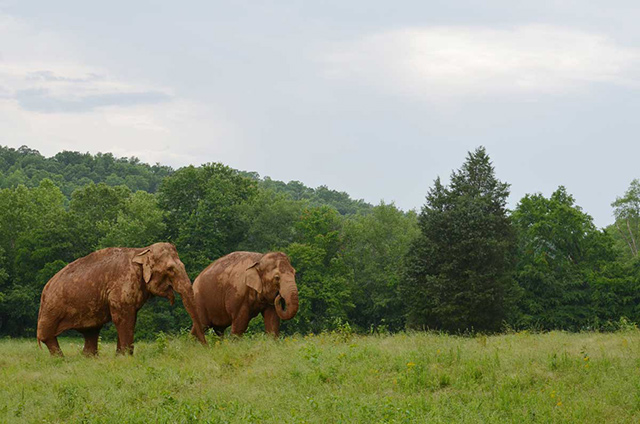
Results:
<point x="561" y="255"/>
<point x="464" y="263"/>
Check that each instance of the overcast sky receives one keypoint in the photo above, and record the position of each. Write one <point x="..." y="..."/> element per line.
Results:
<point x="375" y="98"/>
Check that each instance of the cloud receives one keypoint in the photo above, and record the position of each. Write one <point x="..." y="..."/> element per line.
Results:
<point x="72" y="88"/>
<point x="51" y="76"/>
<point x="453" y="61"/>
<point x="41" y="100"/>
<point x="42" y="72"/>
<point x="52" y="98"/>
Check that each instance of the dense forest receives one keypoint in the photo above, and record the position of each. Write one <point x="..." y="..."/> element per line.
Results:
<point x="464" y="262"/>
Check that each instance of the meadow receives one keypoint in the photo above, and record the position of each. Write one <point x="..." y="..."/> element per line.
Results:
<point x="330" y="378"/>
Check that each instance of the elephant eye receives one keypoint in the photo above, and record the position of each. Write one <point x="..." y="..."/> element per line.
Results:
<point x="277" y="278"/>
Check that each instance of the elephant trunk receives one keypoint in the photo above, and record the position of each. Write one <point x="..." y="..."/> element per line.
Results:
<point x="287" y="301"/>
<point x="185" y="290"/>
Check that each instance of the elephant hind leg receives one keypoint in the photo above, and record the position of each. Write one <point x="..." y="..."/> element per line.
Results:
<point x="193" y="330"/>
<point x="52" y="345"/>
<point x="91" y="336"/>
<point x="218" y="330"/>
<point x="47" y="334"/>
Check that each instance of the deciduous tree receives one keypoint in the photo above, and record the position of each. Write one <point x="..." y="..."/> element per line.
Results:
<point x="561" y="255"/>
<point x="376" y="245"/>
<point x="626" y="210"/>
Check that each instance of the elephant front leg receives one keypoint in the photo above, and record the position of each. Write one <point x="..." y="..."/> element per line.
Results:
<point x="271" y="321"/>
<point x="125" y="323"/>
<point x="240" y="322"/>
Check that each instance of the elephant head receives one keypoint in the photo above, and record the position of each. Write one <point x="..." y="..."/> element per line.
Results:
<point x="163" y="273"/>
<point x="274" y="278"/>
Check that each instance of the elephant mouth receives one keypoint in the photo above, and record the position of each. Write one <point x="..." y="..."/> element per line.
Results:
<point x="279" y="301"/>
<point x="282" y="302"/>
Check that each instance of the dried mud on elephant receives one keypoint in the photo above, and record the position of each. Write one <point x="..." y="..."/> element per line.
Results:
<point x="111" y="285"/>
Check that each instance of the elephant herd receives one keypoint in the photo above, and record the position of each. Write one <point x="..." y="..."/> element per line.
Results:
<point x="112" y="285"/>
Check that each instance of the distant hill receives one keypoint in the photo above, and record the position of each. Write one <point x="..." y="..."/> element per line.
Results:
<point x="70" y="170"/>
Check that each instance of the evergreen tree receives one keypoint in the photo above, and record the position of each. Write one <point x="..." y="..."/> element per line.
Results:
<point x="459" y="269"/>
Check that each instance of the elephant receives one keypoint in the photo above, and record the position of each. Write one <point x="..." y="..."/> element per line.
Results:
<point x="235" y="288"/>
<point x="111" y="284"/>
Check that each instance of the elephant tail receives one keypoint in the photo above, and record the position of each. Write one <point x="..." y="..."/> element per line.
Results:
<point x="38" y="325"/>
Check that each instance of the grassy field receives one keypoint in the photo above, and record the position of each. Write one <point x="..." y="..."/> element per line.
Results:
<point x="422" y="377"/>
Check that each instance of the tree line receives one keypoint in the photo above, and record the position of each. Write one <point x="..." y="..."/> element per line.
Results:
<point x="464" y="262"/>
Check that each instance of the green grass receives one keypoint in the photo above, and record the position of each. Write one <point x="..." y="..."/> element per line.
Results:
<point x="422" y="377"/>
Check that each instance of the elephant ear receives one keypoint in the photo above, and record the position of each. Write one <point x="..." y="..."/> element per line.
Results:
<point x="144" y="258"/>
<point x="252" y="278"/>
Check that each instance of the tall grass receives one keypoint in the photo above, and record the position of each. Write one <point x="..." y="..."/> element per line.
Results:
<point x="330" y="378"/>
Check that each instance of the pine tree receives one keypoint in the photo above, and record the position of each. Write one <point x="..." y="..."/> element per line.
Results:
<point x="459" y="270"/>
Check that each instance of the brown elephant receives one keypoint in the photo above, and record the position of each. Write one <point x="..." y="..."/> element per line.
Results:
<point x="111" y="285"/>
<point x="237" y="287"/>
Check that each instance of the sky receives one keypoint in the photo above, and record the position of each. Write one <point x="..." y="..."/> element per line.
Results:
<point x="375" y="98"/>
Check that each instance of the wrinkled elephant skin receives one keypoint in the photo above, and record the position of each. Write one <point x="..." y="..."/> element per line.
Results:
<point x="111" y="285"/>
<point x="239" y="286"/>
